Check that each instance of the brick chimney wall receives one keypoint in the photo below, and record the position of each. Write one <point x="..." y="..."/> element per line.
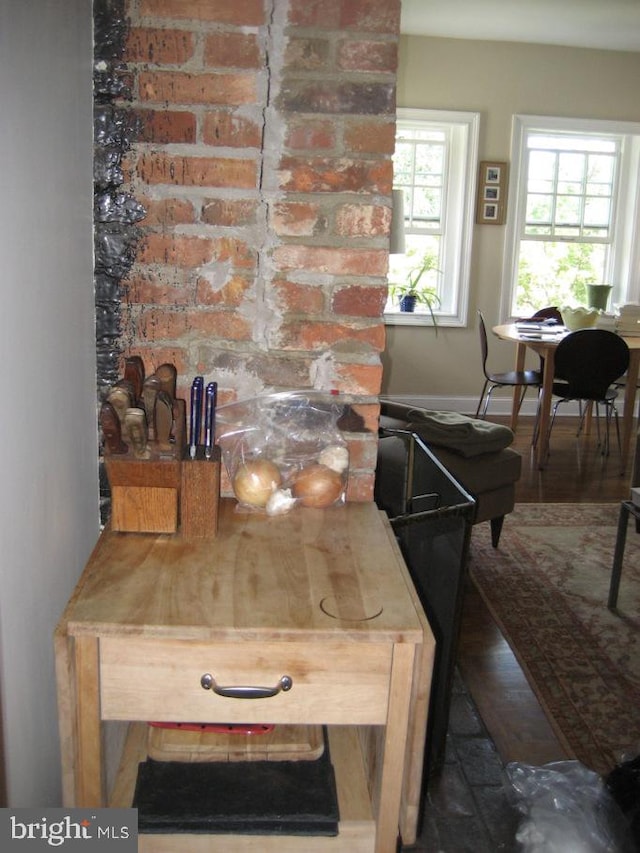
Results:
<point x="263" y="161"/>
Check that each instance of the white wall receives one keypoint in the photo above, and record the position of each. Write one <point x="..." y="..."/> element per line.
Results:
<point x="48" y="436"/>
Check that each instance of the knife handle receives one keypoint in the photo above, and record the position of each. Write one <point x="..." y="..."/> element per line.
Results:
<point x="136" y="422"/>
<point x="149" y="391"/>
<point x="163" y="418"/>
<point x="195" y="417"/>
<point x="121" y="399"/>
<point x="134" y="373"/>
<point x="168" y="376"/>
<point x="111" y="430"/>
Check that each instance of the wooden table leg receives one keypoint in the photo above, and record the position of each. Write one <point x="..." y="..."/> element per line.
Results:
<point x="388" y="800"/>
<point x="629" y="404"/>
<point x="89" y="769"/>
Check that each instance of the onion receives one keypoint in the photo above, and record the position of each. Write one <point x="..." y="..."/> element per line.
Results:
<point x="317" y="486"/>
<point x="255" y="480"/>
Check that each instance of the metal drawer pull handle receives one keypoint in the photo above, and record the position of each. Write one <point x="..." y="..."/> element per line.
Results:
<point x="208" y="682"/>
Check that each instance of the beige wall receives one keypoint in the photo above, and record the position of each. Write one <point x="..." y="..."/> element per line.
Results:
<point x="497" y="79"/>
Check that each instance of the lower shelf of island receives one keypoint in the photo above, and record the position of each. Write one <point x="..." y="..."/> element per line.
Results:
<point x="357" y="827"/>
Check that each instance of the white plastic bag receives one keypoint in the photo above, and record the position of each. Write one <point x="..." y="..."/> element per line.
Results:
<point x="567" y="809"/>
<point x="283" y="450"/>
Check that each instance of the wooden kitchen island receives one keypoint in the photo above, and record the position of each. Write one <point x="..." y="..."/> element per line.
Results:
<point x="321" y="597"/>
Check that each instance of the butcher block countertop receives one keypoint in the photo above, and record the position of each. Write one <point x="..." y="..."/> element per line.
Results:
<point x="316" y="571"/>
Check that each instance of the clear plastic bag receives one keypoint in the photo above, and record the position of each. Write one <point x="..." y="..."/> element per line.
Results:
<point x="567" y="808"/>
<point x="284" y="450"/>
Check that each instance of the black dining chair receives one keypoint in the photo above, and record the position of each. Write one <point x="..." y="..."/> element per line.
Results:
<point x="587" y="364"/>
<point x="509" y="379"/>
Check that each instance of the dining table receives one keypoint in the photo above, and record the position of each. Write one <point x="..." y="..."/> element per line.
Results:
<point x="544" y="343"/>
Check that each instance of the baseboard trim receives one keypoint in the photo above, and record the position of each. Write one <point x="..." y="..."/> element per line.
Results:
<point x="499" y="406"/>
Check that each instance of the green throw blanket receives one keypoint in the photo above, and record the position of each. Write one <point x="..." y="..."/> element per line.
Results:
<point x="464" y="435"/>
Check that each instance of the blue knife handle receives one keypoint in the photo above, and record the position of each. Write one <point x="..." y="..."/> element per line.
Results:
<point x="195" y="414"/>
<point x="210" y="417"/>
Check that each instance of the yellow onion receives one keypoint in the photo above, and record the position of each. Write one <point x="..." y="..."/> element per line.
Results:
<point x="254" y="481"/>
<point x="317" y="486"/>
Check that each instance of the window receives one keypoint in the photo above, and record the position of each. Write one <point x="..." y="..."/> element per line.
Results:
<point x="434" y="166"/>
<point x="573" y="215"/>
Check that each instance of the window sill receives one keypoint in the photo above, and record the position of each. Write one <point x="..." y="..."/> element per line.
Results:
<point x="401" y="318"/>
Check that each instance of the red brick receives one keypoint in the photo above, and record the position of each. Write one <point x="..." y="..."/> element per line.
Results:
<point x="378" y="16"/>
<point x="249" y="13"/>
<point x="359" y="301"/>
<point x="360" y="487"/>
<point x="359" y="378"/>
<point x="363" y="220"/>
<point x="370" y="414"/>
<point x="337" y="96"/>
<point x="370" y="136"/>
<point x="166" y="47"/>
<point x="168" y="212"/>
<point x="154" y="288"/>
<point x="232" y="131"/>
<point x="154" y="356"/>
<point x="159" y="325"/>
<point x="311" y="134"/>
<point x="307" y="54"/>
<point x="297" y="219"/>
<point x="231" y="294"/>
<point x="313" y="336"/>
<point x="229" y="212"/>
<point x="232" y="50"/>
<point x="164" y="126"/>
<point x="371" y="56"/>
<point x="315" y="13"/>
<point x="280" y="372"/>
<point x="177" y="250"/>
<point x="335" y="261"/>
<point x="321" y="175"/>
<point x="185" y="251"/>
<point x="161" y="168"/>
<point x="175" y="87"/>
<point x="234" y="251"/>
<point x="295" y="298"/>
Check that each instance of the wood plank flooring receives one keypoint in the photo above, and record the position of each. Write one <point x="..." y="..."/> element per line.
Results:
<point x="575" y="473"/>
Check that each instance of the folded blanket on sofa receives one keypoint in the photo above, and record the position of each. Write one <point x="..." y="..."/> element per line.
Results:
<point x="460" y="433"/>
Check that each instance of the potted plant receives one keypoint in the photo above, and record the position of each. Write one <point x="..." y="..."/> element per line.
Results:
<point x="411" y="292"/>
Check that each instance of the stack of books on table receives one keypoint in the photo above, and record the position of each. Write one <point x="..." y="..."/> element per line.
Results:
<point x="531" y="329"/>
<point x="629" y="320"/>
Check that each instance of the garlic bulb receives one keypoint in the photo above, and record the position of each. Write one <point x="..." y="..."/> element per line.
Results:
<point x="280" y="501"/>
<point x="335" y="457"/>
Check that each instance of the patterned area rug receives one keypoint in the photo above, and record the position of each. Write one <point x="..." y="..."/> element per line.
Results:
<point x="547" y="586"/>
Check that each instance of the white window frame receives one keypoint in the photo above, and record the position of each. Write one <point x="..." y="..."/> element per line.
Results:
<point x="459" y="210"/>
<point x="624" y="261"/>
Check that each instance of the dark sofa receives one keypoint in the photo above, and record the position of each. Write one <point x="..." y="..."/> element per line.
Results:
<point x="476" y="453"/>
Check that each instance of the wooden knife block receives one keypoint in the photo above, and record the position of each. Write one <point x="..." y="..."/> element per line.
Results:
<point x="200" y="494"/>
<point x="165" y="493"/>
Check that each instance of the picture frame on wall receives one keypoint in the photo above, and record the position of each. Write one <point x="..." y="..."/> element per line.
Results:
<point x="492" y="191"/>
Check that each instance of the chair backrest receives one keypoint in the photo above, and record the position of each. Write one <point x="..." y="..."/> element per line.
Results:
<point x="484" y="345"/>
<point x="590" y="361"/>
<point x="550" y="313"/>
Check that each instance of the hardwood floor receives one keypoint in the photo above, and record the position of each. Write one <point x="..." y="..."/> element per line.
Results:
<point x="576" y="472"/>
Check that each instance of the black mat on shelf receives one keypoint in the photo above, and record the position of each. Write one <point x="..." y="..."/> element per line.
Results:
<point x="247" y="797"/>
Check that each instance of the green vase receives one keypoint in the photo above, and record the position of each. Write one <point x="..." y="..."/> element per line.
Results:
<point x="598" y="295"/>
